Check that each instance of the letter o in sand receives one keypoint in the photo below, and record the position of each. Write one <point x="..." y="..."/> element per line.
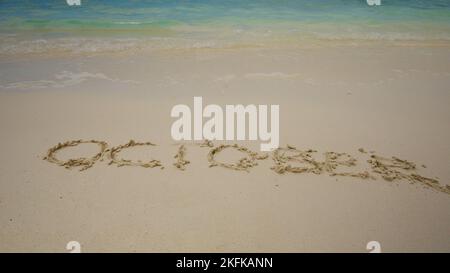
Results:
<point x="83" y="162"/>
<point x="244" y="164"/>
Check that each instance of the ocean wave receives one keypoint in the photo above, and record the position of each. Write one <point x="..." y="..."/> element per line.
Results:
<point x="13" y="44"/>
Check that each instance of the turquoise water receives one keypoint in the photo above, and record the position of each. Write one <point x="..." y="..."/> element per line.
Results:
<point x="57" y="14"/>
<point x="211" y="22"/>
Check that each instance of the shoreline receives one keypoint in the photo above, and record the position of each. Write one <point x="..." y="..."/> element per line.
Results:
<point x="62" y="45"/>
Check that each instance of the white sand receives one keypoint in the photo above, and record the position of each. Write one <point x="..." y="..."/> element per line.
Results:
<point x="392" y="100"/>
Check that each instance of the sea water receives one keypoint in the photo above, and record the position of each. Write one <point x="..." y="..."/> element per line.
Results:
<point x="113" y="25"/>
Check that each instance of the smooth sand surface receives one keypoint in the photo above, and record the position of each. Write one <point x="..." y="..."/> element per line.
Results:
<point x="392" y="100"/>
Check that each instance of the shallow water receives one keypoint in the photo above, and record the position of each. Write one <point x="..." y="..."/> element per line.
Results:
<point x="96" y="26"/>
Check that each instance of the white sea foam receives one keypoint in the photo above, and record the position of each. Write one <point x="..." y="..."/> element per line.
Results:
<point x="127" y="23"/>
<point x="63" y="79"/>
<point x="13" y="46"/>
<point x="67" y="45"/>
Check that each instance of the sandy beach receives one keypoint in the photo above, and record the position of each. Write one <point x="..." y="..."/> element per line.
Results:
<point x="388" y="99"/>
